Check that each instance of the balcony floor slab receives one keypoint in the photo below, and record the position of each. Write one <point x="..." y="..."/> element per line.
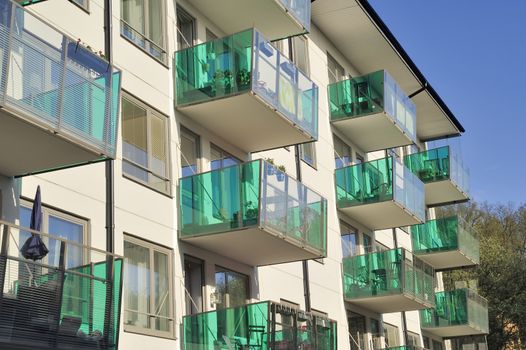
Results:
<point x="373" y="132"/>
<point x="453" y="331"/>
<point x="254" y="246"/>
<point x="381" y="215"/>
<point x="247" y="122"/>
<point x="390" y="303"/>
<point x="442" y="260"/>
<point x="442" y="192"/>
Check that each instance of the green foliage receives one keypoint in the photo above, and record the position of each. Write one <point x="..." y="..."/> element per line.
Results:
<point x="501" y="274"/>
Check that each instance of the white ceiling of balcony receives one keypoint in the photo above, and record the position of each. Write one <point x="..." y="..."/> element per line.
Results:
<point x="358" y="37"/>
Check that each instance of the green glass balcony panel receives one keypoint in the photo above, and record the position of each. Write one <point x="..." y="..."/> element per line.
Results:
<point x="253" y="75"/>
<point x="445" y="243"/>
<point x="65" y="300"/>
<point x="446" y="178"/>
<point x="380" y="194"/>
<point x="373" y="111"/>
<point x="388" y="281"/>
<point x="276" y="19"/>
<point x="457" y="313"/>
<point x="239" y="210"/>
<point x="75" y="104"/>
<point x="263" y="325"/>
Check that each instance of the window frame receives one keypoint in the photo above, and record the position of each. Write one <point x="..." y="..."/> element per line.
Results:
<point x="219" y="268"/>
<point x="214" y="147"/>
<point x="314" y="155"/>
<point x="330" y="73"/>
<point x="152" y="247"/>
<point x="82" y="7"/>
<point x="197" y="138"/>
<point x="179" y="8"/>
<point x="144" y="36"/>
<point x="386" y="333"/>
<point x="150" y="113"/>
<point x="341" y="157"/>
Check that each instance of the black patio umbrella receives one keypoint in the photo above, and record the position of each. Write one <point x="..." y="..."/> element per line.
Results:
<point x="34" y="248"/>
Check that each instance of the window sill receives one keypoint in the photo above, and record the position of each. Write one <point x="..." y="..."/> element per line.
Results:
<point x="142" y="183"/>
<point x="162" y="63"/>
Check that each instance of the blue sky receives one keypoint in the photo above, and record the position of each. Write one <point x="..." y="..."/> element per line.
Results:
<point x="474" y="55"/>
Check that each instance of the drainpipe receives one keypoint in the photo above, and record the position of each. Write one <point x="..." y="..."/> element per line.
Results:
<point x="404" y="319"/>
<point x="305" y="263"/>
<point x="110" y="324"/>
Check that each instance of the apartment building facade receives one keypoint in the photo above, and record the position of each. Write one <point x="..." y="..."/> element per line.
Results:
<point x="276" y="165"/>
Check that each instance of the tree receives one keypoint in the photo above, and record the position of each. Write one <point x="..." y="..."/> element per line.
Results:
<point x="502" y="271"/>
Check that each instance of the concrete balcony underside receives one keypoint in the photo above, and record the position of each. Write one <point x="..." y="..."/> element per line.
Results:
<point x="381" y="215"/>
<point x="27" y="146"/>
<point x="235" y="15"/>
<point x="254" y="246"/>
<point x="246" y="121"/>
<point x="391" y="303"/>
<point x="454" y="331"/>
<point x="373" y="132"/>
<point x="445" y="191"/>
<point x="443" y="260"/>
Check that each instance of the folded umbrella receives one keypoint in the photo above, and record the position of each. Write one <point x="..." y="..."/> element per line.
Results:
<point x="34" y="248"/>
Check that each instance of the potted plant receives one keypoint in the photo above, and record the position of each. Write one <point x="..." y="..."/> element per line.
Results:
<point x="271" y="170"/>
<point x="243" y="79"/>
<point x="281" y="173"/>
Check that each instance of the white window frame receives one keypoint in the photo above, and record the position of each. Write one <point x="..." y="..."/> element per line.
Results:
<point x="314" y="156"/>
<point x="145" y="36"/>
<point x="150" y="113"/>
<point x="152" y="247"/>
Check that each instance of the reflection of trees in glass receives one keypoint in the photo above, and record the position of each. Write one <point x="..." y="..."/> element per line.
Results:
<point x="231" y="287"/>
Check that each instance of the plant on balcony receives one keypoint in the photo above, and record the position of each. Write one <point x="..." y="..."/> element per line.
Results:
<point x="243" y="78"/>
<point x="281" y="174"/>
<point x="222" y="82"/>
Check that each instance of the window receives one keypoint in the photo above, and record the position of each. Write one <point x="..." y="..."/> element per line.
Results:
<point x="379" y="247"/>
<point x="335" y="70"/>
<point x="145" y="145"/>
<point x="392" y="337"/>
<point x="359" y="158"/>
<point x="413" y="339"/>
<point x="210" y="35"/>
<point x="147" y="285"/>
<point x="189" y="152"/>
<point x="185" y="29"/>
<point x="194" y="281"/>
<point x="58" y="224"/>
<point x="221" y="159"/>
<point x="367" y="244"/>
<point x="349" y="239"/>
<point x="437" y="345"/>
<point x="376" y="335"/>
<point x="142" y="22"/>
<point x="342" y="153"/>
<point x="308" y="153"/>
<point x="81" y="3"/>
<point x="231" y="288"/>
<point x="357" y="330"/>
<point x="427" y="344"/>
<point x="300" y="53"/>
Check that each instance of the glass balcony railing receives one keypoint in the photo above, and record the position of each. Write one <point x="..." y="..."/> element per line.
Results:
<point x="264" y="325"/>
<point x="55" y="82"/>
<point x="379" y="181"/>
<point x="439" y="164"/>
<point x="372" y="94"/>
<point x="68" y="299"/>
<point x="391" y="272"/>
<point x="242" y="63"/>
<point x="443" y="235"/>
<point x="253" y="195"/>
<point x="456" y="308"/>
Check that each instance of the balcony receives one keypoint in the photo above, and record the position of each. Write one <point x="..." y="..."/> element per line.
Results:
<point x="70" y="299"/>
<point x="457" y="313"/>
<point x="445" y="178"/>
<point x="58" y="100"/>
<point x="445" y="243"/>
<point x="247" y="92"/>
<point x="380" y="194"/>
<point x="373" y="111"/>
<point x="389" y="281"/>
<point x="276" y="19"/>
<point x="263" y="325"/>
<point x="253" y="213"/>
